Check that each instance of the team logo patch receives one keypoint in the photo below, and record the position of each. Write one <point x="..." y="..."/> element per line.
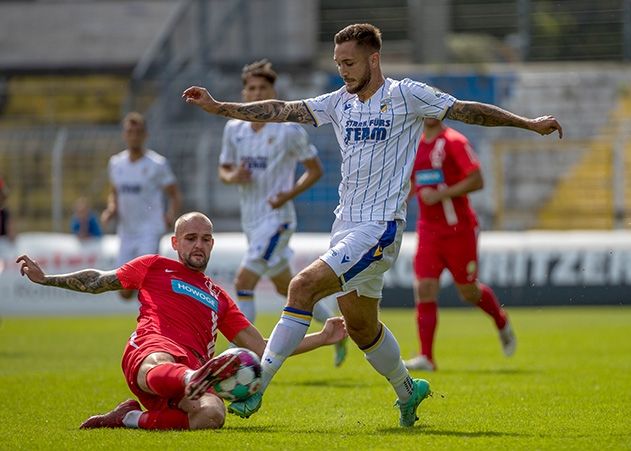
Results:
<point x="194" y="292"/>
<point x="429" y="177"/>
<point x="385" y="104"/>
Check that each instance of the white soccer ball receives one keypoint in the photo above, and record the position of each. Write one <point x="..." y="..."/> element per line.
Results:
<point x="247" y="379"/>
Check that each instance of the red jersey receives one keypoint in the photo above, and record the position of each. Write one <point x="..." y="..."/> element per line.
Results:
<point x="442" y="162"/>
<point x="181" y="304"/>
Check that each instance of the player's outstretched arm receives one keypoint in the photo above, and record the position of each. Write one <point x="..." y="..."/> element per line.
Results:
<point x="493" y="116"/>
<point x="87" y="280"/>
<point x="263" y="111"/>
<point x="332" y="332"/>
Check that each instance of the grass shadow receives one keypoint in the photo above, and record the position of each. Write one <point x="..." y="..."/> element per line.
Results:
<point x="420" y="429"/>
<point x="496" y="371"/>
<point x="342" y="383"/>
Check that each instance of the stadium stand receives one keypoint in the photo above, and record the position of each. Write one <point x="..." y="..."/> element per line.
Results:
<point x="64" y="99"/>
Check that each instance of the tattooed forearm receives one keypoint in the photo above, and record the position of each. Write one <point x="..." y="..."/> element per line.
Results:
<point x="267" y="111"/>
<point x="485" y="114"/>
<point x="86" y="281"/>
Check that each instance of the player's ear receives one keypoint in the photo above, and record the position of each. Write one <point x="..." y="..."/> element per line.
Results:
<point x="374" y="59"/>
<point x="174" y="242"/>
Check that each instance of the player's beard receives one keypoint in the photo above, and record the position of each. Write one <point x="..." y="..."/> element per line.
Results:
<point x="194" y="263"/>
<point x="361" y="83"/>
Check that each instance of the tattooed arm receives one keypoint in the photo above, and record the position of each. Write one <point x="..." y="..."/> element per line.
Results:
<point x="494" y="116"/>
<point x="263" y="111"/>
<point x="87" y="281"/>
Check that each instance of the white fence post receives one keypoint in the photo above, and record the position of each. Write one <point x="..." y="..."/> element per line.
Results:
<point x="57" y="179"/>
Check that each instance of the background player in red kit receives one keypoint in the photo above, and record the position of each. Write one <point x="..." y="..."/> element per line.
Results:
<point x="168" y="362"/>
<point x="445" y="171"/>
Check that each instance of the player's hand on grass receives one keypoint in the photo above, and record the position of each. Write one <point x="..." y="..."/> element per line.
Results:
<point x="31" y="269"/>
<point x="196" y="95"/>
<point x="545" y="125"/>
<point x="334" y="330"/>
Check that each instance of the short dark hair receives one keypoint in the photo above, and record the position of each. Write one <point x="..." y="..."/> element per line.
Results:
<point x="136" y="119"/>
<point x="262" y="68"/>
<point x="365" y="34"/>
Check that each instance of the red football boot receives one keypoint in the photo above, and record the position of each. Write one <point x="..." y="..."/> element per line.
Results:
<point x="221" y="367"/>
<point x="113" y="419"/>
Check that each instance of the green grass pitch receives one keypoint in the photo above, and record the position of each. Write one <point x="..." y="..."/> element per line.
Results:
<point x="567" y="387"/>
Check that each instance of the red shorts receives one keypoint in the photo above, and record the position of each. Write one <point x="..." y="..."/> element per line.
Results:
<point x="456" y="251"/>
<point x="137" y="349"/>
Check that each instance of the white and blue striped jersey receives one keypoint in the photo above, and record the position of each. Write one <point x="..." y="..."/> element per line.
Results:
<point x="140" y="192"/>
<point x="271" y="154"/>
<point x="378" y="140"/>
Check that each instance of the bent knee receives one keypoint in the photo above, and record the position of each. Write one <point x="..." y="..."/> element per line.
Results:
<point x="427" y="289"/>
<point x="208" y="416"/>
<point x="301" y="291"/>
<point x="469" y="293"/>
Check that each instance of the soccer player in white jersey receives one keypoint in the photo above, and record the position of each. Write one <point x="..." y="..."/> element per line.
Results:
<point x="140" y="179"/>
<point x="261" y="159"/>
<point x="378" y="123"/>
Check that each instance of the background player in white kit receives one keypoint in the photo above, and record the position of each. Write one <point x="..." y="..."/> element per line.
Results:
<point x="378" y="123"/>
<point x="139" y="181"/>
<point x="261" y="159"/>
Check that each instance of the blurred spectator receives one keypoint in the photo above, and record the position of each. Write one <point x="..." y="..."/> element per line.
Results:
<point x="6" y="224"/>
<point x="84" y="223"/>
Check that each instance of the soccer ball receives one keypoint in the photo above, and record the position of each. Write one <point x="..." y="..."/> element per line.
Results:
<point x="247" y="379"/>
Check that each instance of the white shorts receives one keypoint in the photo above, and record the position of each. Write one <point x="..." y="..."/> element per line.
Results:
<point x="361" y="252"/>
<point x="268" y="251"/>
<point x="135" y="246"/>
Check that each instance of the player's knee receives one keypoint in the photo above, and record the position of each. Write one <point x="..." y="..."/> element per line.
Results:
<point x="426" y="289"/>
<point x="469" y="293"/>
<point x="208" y="416"/>
<point x="301" y="292"/>
<point x="282" y="290"/>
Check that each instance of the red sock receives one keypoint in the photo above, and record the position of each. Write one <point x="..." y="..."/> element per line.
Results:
<point x="163" y="419"/>
<point x="489" y="303"/>
<point x="426" y="320"/>
<point x="167" y="380"/>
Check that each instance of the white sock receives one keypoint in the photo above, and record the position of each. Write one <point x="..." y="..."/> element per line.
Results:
<point x="384" y="355"/>
<point x="322" y="311"/>
<point x="188" y="374"/>
<point x="132" y="418"/>
<point x="285" y="338"/>
<point x="245" y="302"/>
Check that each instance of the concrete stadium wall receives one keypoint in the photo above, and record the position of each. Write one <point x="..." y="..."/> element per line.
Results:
<point x="531" y="268"/>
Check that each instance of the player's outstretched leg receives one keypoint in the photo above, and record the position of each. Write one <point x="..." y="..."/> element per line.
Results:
<point x="408" y="408"/>
<point x="247" y="407"/>
<point x="221" y="367"/>
<point x="490" y="305"/>
<point x="113" y="419"/>
<point x="508" y="339"/>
